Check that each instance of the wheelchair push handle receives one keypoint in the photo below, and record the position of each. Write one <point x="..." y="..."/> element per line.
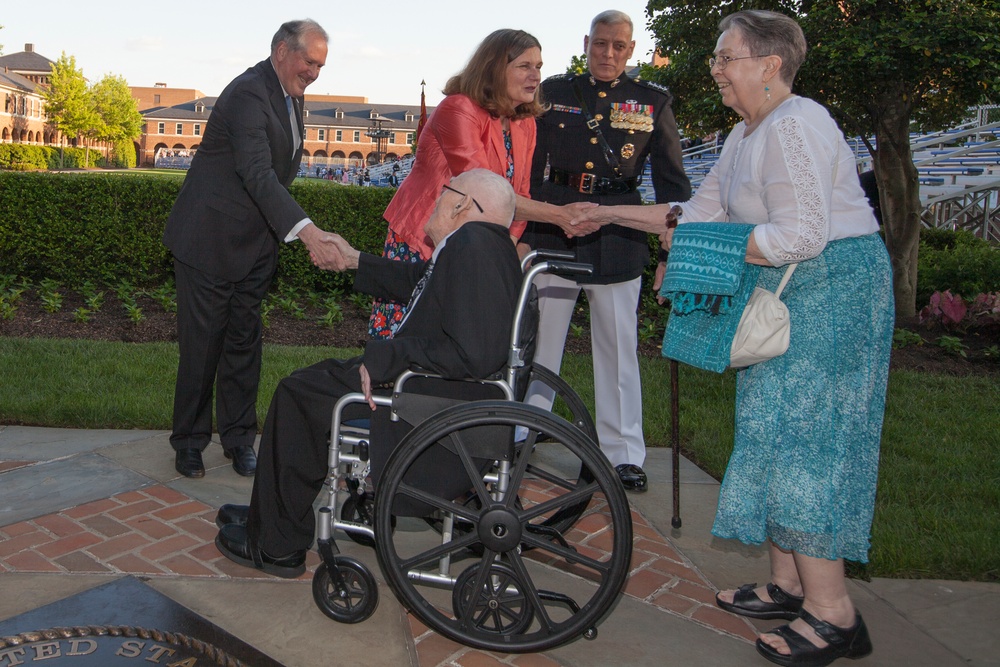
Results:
<point x="570" y="268"/>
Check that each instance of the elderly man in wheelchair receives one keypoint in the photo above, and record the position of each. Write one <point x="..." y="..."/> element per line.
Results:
<point x="498" y="486"/>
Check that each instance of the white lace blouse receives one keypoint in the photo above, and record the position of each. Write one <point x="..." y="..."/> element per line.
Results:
<point x="794" y="177"/>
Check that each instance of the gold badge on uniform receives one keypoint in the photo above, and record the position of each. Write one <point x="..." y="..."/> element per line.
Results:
<point x="631" y="115"/>
<point x="628" y="150"/>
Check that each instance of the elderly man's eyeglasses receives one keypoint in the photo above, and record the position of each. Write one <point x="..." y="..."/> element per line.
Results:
<point x="723" y="61"/>
<point x="459" y="192"/>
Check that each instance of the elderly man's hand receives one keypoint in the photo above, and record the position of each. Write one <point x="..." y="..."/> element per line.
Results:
<point x="347" y="251"/>
<point x="661" y="270"/>
<point x="366" y="386"/>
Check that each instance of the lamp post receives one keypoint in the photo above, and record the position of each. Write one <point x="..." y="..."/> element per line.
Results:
<point x="380" y="136"/>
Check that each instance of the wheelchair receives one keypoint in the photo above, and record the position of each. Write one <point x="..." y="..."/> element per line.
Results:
<point x="522" y="545"/>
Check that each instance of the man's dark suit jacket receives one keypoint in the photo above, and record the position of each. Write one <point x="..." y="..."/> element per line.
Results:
<point x="460" y="327"/>
<point x="234" y="205"/>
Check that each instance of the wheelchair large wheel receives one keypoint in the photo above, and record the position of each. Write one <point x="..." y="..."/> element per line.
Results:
<point x="353" y="603"/>
<point x="569" y="403"/>
<point x="549" y="586"/>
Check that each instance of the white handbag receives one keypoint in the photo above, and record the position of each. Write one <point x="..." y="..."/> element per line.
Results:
<point x="763" y="331"/>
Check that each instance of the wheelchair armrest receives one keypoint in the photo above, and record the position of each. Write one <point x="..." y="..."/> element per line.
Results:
<point x="543" y="254"/>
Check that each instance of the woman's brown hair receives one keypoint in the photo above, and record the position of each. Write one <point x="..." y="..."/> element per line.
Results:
<point x="484" y="79"/>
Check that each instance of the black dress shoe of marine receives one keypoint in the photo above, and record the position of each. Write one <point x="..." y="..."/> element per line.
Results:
<point x="244" y="460"/>
<point x="232" y="514"/>
<point x="234" y="544"/>
<point x="632" y="476"/>
<point x="188" y="463"/>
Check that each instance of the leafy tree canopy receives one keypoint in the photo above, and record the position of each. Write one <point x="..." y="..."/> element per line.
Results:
<point x="67" y="104"/>
<point x="935" y="57"/>
<point x="117" y="110"/>
<point x="879" y="66"/>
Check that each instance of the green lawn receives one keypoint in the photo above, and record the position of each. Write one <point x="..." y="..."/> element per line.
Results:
<point x="939" y="484"/>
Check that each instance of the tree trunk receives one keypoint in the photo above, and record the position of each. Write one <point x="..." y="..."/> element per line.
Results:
<point x="899" y="194"/>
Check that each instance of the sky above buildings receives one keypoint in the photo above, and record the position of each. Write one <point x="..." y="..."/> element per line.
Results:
<point x="379" y="50"/>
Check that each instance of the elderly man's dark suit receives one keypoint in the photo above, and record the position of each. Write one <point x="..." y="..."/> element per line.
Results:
<point x="458" y="328"/>
<point x="232" y="211"/>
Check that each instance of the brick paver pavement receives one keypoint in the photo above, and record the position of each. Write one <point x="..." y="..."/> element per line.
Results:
<point x="158" y="531"/>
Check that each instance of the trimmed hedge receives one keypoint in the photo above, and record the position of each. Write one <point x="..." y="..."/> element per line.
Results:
<point x="22" y="157"/>
<point x="108" y="227"/>
<point x="957" y="261"/>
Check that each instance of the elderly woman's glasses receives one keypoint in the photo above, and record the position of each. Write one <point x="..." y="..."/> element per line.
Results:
<point x="723" y="61"/>
<point x="458" y="192"/>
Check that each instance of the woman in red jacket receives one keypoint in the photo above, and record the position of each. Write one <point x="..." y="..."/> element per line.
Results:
<point x="486" y="120"/>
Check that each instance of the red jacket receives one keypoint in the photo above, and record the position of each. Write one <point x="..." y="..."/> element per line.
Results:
<point x="459" y="136"/>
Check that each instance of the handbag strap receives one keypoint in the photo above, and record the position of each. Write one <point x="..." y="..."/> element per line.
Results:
<point x="784" y="279"/>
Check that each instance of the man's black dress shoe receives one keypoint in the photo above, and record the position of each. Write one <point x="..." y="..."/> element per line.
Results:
<point x="244" y="460"/>
<point x="632" y="477"/>
<point x="232" y="514"/>
<point x="234" y="544"/>
<point x="188" y="463"/>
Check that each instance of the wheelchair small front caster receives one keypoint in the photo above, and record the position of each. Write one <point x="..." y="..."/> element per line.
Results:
<point x="501" y="607"/>
<point x="352" y="602"/>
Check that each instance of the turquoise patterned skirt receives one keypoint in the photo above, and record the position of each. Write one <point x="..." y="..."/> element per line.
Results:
<point x="808" y="423"/>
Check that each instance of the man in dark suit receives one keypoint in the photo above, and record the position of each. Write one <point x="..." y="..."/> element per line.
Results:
<point x="458" y="325"/>
<point x="232" y="212"/>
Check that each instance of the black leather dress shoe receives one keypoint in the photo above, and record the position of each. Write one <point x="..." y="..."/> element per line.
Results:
<point x="232" y="514"/>
<point x="632" y="476"/>
<point x="234" y="544"/>
<point x="188" y="463"/>
<point x="244" y="460"/>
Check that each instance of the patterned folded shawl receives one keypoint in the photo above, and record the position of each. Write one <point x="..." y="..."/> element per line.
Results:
<point x="708" y="283"/>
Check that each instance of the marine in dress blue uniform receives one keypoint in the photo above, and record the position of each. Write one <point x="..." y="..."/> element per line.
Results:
<point x="573" y="163"/>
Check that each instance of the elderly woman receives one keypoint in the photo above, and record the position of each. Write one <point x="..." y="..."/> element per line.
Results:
<point x="486" y="120"/>
<point x="803" y="471"/>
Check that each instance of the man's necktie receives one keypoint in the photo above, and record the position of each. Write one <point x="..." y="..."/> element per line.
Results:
<point x="415" y="295"/>
<point x="295" y="123"/>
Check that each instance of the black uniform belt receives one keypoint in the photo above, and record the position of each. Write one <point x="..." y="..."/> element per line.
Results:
<point x="592" y="184"/>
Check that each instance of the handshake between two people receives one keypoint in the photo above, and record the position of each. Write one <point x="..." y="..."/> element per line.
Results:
<point x="329" y="251"/>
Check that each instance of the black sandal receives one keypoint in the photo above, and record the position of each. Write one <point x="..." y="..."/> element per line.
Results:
<point x="747" y="603"/>
<point x="852" y="643"/>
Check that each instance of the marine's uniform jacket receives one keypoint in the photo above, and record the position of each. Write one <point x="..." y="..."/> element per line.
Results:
<point x="636" y="119"/>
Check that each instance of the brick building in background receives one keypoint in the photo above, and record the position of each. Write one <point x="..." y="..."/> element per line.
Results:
<point x="336" y="133"/>
<point x="22" y="116"/>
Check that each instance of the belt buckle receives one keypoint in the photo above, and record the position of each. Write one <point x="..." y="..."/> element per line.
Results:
<point x="587" y="183"/>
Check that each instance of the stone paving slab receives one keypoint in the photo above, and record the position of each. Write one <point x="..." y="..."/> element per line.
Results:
<point x="43" y="488"/>
<point x="46" y="444"/>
